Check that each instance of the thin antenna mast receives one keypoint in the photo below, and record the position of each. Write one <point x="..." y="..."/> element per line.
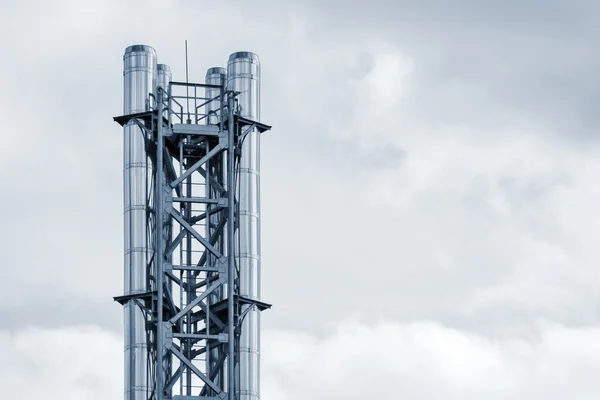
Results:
<point x="187" y="81"/>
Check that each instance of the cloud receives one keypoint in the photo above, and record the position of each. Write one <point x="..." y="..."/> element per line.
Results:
<point x="388" y="360"/>
<point x="428" y="162"/>
<point x="480" y="227"/>
<point x="61" y="159"/>
<point x="425" y="360"/>
<point x="70" y="363"/>
<point x="402" y="179"/>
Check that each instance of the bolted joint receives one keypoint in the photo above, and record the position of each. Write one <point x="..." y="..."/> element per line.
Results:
<point x="223" y="267"/>
<point x="168" y="327"/>
<point x="167" y="199"/>
<point x="224" y="140"/>
<point x="168" y="335"/>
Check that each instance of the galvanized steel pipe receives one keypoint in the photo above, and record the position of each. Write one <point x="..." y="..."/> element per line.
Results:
<point x="243" y="77"/>
<point x="139" y="82"/>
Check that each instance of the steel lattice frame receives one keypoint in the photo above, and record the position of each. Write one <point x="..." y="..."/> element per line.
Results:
<point x="193" y="307"/>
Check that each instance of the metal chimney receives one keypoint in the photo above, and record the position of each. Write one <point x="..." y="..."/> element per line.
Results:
<point x="192" y="295"/>
<point x="243" y="79"/>
<point x="140" y="81"/>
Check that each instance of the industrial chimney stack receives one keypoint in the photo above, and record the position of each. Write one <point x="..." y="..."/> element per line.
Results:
<point x="192" y="284"/>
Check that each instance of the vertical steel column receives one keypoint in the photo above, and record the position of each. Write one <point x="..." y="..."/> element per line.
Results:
<point x="190" y="281"/>
<point x="164" y="78"/>
<point x="231" y="274"/>
<point x="139" y="82"/>
<point x="243" y="78"/>
<point x="163" y="229"/>
<point x="161" y="373"/>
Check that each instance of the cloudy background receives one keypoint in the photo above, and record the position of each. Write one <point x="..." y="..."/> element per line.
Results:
<point x="430" y="192"/>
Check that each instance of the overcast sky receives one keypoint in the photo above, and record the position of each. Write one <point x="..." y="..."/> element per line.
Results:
<point x="430" y="192"/>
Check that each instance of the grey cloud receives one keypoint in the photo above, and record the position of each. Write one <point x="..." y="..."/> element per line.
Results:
<point x="468" y="202"/>
<point x="486" y="63"/>
<point x="333" y="245"/>
<point x="55" y="311"/>
<point x="422" y="360"/>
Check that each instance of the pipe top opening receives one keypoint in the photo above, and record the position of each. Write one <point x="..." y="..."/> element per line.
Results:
<point x="244" y="54"/>
<point x="163" y="67"/>
<point x="216" y="71"/>
<point x="140" y="48"/>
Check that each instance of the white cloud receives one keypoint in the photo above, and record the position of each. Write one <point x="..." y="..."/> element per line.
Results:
<point x="78" y="363"/>
<point x="479" y="217"/>
<point x="419" y="360"/>
<point x="425" y="360"/>
<point x="381" y="89"/>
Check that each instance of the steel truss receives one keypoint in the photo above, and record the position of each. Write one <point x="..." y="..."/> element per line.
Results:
<point x="193" y="308"/>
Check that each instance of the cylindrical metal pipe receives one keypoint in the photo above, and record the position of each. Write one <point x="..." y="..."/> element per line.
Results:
<point x="243" y="76"/>
<point x="139" y="82"/>
<point x="216" y="76"/>
<point x="163" y="76"/>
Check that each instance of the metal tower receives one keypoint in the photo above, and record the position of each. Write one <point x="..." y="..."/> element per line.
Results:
<point x="192" y="230"/>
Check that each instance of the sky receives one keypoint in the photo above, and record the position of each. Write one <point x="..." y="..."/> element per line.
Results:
<point x="429" y="192"/>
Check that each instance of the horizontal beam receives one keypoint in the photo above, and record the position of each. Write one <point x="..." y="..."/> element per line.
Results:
<point x="200" y="336"/>
<point x="260" y="126"/>
<point x="195" y="129"/>
<point x="195" y="268"/>
<point x="206" y="85"/>
<point x="125" y="298"/>
<point x="203" y="200"/>
<point x="124" y="119"/>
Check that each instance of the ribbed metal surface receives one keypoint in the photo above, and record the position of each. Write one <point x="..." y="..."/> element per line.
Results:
<point x="163" y="76"/>
<point x="216" y="76"/>
<point x="139" y="80"/>
<point x="243" y="75"/>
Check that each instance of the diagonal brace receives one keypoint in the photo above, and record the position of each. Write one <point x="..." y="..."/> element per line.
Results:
<point x="194" y="233"/>
<point x="215" y="371"/>
<point x="212" y="179"/>
<point x="246" y="132"/>
<point x="194" y="302"/>
<point x="218" y="148"/>
<point x="196" y="371"/>
<point x="173" y="245"/>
